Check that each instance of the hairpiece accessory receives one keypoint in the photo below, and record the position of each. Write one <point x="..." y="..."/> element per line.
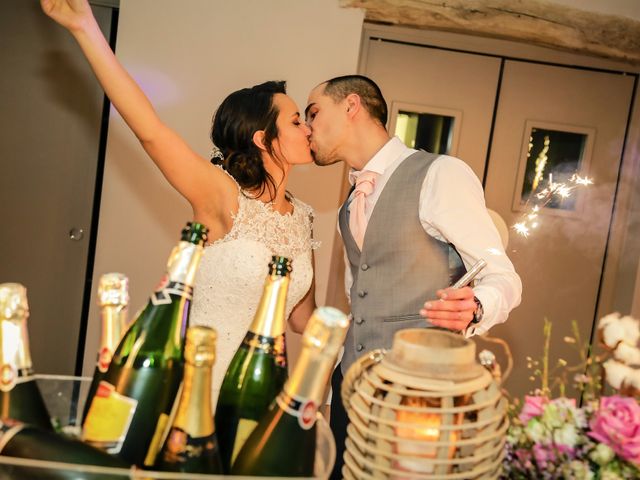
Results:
<point x="215" y="152"/>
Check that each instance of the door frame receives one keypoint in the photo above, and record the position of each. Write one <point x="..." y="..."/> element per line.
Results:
<point x="628" y="177"/>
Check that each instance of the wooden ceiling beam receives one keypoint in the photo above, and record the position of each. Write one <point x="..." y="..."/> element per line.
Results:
<point x="536" y="22"/>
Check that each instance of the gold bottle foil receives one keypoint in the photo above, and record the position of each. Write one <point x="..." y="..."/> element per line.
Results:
<point x="195" y="415"/>
<point x="15" y="357"/>
<point x="321" y="342"/>
<point x="113" y="299"/>
<point x="269" y="319"/>
<point x="183" y="263"/>
<point x="113" y="289"/>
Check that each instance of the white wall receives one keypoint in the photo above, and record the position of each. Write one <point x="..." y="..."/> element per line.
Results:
<point x="188" y="56"/>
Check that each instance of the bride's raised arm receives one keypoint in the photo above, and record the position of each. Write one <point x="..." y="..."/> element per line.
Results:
<point x="207" y="189"/>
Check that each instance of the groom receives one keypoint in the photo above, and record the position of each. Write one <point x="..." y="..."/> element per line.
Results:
<point x="411" y="225"/>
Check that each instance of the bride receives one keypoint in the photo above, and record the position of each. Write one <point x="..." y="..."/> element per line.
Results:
<point x="240" y="194"/>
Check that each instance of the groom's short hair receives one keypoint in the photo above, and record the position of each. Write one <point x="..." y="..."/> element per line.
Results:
<point x="370" y="95"/>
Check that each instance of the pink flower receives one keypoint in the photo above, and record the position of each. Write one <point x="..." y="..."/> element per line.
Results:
<point x="523" y="457"/>
<point x="617" y="424"/>
<point x="533" y="407"/>
<point x="549" y="455"/>
<point x="543" y="455"/>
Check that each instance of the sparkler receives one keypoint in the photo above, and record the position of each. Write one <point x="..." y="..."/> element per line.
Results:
<point x="530" y="220"/>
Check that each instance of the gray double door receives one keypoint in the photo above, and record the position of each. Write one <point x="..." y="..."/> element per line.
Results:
<point x="500" y="112"/>
<point x="50" y="135"/>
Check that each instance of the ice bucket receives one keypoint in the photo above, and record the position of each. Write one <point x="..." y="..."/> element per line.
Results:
<point x="65" y="396"/>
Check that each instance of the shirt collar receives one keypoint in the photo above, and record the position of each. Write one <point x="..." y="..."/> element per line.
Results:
<point x="383" y="158"/>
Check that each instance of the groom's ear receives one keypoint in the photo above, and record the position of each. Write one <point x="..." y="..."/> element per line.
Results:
<point x="353" y="104"/>
<point x="258" y="140"/>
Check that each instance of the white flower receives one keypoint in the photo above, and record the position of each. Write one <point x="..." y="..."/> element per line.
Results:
<point x="616" y="373"/>
<point x="566" y="435"/>
<point x="612" y="330"/>
<point x="607" y="319"/>
<point x="602" y="454"/>
<point x="627" y="354"/>
<point x="578" y="470"/>
<point x="617" y="329"/>
<point x="536" y="431"/>
<point x="631" y="328"/>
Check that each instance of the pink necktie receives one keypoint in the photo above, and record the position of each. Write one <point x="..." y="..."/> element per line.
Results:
<point x="365" y="183"/>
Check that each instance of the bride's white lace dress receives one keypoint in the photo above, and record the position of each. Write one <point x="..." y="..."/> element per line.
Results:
<point x="233" y="269"/>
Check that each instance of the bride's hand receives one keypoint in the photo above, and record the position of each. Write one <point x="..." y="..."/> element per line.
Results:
<point x="71" y="14"/>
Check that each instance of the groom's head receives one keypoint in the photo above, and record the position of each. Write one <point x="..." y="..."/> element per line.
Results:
<point x="338" y="110"/>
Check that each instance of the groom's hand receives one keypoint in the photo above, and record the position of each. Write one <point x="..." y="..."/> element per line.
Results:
<point x="453" y="309"/>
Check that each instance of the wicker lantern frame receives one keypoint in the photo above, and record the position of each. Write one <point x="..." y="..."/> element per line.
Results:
<point x="427" y="372"/>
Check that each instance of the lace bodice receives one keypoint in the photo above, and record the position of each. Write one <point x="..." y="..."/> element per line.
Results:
<point x="233" y="269"/>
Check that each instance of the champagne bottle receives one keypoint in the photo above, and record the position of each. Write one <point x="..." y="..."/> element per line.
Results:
<point x="113" y="299"/>
<point x="129" y="415"/>
<point x="26" y="441"/>
<point x="284" y="442"/>
<point x="258" y="369"/>
<point x="20" y="397"/>
<point x="192" y="445"/>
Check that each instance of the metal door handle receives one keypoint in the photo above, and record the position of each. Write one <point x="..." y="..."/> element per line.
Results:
<point x="76" y="234"/>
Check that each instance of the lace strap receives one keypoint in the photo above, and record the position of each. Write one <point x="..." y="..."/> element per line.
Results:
<point x="229" y="175"/>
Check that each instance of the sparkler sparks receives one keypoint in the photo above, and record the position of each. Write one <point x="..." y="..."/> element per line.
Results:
<point x="530" y="219"/>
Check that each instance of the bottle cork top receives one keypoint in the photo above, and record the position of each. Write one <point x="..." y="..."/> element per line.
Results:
<point x="200" y="347"/>
<point x="113" y="289"/>
<point x="195" y="233"/>
<point x="280" y="266"/>
<point x="326" y="330"/>
<point x="13" y="301"/>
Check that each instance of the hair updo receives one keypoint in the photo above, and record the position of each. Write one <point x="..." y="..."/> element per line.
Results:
<point x="238" y="117"/>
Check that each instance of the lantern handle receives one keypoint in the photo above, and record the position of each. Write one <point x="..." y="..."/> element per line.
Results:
<point x="492" y="365"/>
<point x="355" y="370"/>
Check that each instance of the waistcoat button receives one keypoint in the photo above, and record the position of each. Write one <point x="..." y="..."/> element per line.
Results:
<point x="364" y="266"/>
<point x="359" y="320"/>
<point x="362" y="293"/>
<point x="360" y="347"/>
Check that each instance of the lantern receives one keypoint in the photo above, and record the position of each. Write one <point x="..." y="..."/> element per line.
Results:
<point x="425" y="409"/>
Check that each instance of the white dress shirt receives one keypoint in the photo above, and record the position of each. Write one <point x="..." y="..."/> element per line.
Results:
<point x="452" y="209"/>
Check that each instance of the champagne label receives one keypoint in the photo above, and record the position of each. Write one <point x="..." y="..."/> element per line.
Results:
<point x="108" y="419"/>
<point x="162" y="430"/>
<point x="158" y="436"/>
<point x="8" y="429"/>
<point x="104" y="359"/>
<point x="270" y="345"/>
<point x="245" y="427"/>
<point x="162" y="295"/>
<point x="182" y="447"/>
<point x="11" y="376"/>
<point x="305" y="410"/>
<point x="8" y="377"/>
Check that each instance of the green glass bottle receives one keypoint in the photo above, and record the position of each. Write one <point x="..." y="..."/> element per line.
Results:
<point x="113" y="299"/>
<point x="284" y="442"/>
<point x="26" y="441"/>
<point x="258" y="370"/>
<point x="20" y="397"/>
<point x="192" y="445"/>
<point x="131" y="411"/>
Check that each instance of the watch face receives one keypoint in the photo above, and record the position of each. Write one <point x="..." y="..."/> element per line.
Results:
<point x="477" y="316"/>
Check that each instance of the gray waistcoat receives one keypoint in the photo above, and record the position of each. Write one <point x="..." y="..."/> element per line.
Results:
<point x="400" y="266"/>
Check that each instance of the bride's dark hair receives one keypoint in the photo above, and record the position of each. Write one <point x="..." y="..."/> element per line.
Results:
<point x="238" y="117"/>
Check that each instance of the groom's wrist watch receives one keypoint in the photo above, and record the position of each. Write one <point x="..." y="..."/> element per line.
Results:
<point x="479" y="313"/>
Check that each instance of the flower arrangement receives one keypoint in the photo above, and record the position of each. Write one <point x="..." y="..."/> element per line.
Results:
<point x="555" y="438"/>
